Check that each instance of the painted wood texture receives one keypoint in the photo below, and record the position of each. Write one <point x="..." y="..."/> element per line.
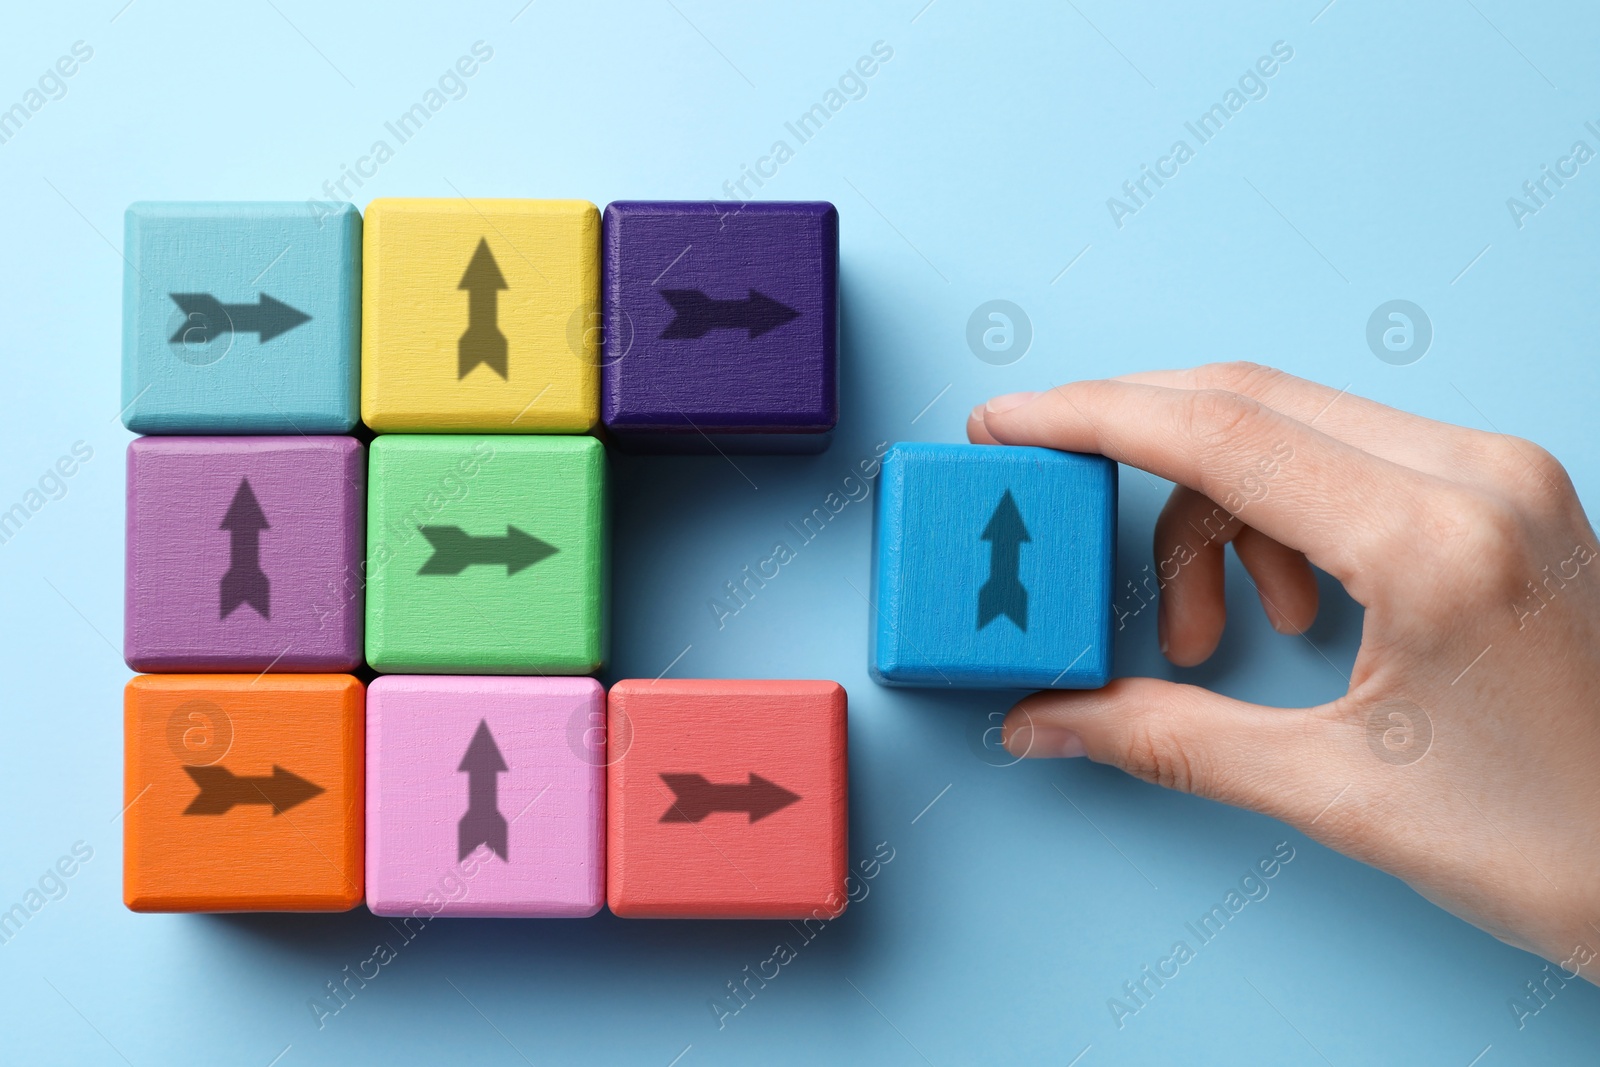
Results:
<point x="461" y="578"/>
<point x="244" y="553"/>
<point x="993" y="567"/>
<point x="275" y="348"/>
<point x="243" y="793"/>
<point x="445" y="278"/>
<point x="721" y="320"/>
<point x="485" y="796"/>
<point x="727" y="799"/>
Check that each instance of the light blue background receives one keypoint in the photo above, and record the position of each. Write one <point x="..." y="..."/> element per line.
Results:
<point x="977" y="166"/>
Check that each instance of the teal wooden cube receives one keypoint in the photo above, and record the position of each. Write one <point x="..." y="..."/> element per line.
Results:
<point x="241" y="318"/>
<point x="993" y="568"/>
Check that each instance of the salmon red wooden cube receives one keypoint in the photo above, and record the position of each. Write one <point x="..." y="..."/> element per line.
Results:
<point x="726" y="799"/>
<point x="485" y="796"/>
<point x="242" y="793"/>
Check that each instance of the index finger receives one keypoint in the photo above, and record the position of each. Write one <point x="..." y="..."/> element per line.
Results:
<point x="1342" y="507"/>
<point x="1436" y="448"/>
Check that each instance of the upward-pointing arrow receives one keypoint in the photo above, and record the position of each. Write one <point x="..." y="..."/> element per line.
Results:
<point x="245" y="582"/>
<point x="482" y="824"/>
<point x="205" y="318"/>
<point x="1004" y="593"/>
<point x="483" y="342"/>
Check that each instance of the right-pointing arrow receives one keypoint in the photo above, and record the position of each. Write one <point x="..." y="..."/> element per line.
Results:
<point x="454" y="550"/>
<point x="697" y="314"/>
<point x="695" y="797"/>
<point x="205" y="318"/>
<point x="221" y="789"/>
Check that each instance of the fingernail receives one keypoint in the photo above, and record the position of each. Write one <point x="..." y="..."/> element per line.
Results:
<point x="1001" y="404"/>
<point x="1161" y="629"/>
<point x="1280" y="622"/>
<point x="977" y="413"/>
<point x="1045" y="742"/>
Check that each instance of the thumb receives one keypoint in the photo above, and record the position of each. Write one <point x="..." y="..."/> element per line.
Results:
<point x="1271" y="760"/>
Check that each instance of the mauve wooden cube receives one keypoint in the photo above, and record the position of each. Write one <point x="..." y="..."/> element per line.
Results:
<point x="721" y="325"/>
<point x="245" y="553"/>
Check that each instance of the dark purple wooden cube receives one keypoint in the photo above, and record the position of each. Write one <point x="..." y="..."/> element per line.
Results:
<point x="721" y="325"/>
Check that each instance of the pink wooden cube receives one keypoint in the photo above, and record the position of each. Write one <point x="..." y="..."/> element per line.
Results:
<point x="485" y="796"/>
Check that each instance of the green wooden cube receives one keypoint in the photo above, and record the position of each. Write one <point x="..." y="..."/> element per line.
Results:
<point x="486" y="554"/>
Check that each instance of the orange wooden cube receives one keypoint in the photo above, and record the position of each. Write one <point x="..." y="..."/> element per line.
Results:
<point x="243" y="793"/>
<point x="726" y="799"/>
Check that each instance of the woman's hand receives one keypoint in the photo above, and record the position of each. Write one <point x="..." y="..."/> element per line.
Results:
<point x="1465" y="757"/>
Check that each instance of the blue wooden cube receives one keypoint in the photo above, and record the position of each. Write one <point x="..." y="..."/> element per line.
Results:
<point x="993" y="567"/>
<point x="241" y="318"/>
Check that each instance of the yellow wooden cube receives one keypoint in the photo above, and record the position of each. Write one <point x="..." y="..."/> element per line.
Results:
<point x="480" y="316"/>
